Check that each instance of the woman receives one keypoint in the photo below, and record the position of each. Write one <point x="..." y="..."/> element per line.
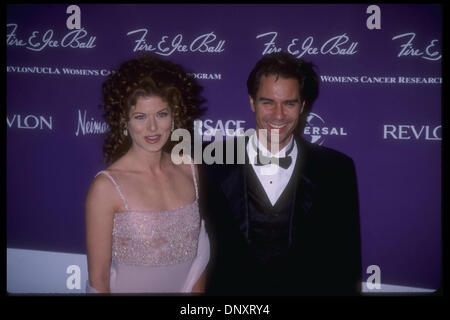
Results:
<point x="143" y="228"/>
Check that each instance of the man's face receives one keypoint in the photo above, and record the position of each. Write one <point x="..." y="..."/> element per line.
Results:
<point x="277" y="107"/>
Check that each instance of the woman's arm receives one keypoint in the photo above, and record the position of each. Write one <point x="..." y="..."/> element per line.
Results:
<point x="199" y="286"/>
<point x="99" y="213"/>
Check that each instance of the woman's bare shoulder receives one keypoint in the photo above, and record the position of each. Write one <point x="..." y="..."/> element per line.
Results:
<point x="101" y="186"/>
<point x="186" y="165"/>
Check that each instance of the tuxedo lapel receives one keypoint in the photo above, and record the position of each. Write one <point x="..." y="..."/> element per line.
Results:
<point x="304" y="189"/>
<point x="304" y="196"/>
<point x="234" y="186"/>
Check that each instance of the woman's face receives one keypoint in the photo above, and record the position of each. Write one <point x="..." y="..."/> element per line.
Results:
<point x="150" y="123"/>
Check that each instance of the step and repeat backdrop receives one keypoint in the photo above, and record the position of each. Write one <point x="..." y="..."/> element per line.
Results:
<point x="380" y="103"/>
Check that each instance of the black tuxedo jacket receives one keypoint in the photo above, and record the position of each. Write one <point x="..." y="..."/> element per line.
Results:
<point x="324" y="236"/>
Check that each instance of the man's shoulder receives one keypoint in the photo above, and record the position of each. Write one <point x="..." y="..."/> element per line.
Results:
<point x="231" y="140"/>
<point x="325" y="159"/>
<point x="327" y="166"/>
<point x="214" y="159"/>
<point x="230" y="150"/>
<point x="325" y="152"/>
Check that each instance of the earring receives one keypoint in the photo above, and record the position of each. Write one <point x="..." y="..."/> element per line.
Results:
<point x="125" y="132"/>
<point x="173" y="125"/>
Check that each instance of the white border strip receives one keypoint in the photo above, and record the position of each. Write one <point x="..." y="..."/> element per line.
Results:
<point x="32" y="271"/>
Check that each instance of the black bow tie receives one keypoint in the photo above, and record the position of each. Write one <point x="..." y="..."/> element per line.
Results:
<point x="283" y="162"/>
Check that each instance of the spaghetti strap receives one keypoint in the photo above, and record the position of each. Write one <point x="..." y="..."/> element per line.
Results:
<point x="117" y="187"/>
<point x="195" y="180"/>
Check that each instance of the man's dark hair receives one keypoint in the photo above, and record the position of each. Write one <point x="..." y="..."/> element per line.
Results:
<point x="285" y="65"/>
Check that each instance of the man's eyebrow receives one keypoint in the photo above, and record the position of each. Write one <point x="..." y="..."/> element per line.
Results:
<point x="264" y="99"/>
<point x="292" y="100"/>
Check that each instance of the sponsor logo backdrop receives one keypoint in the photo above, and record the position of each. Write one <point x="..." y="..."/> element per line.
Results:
<point x="380" y="102"/>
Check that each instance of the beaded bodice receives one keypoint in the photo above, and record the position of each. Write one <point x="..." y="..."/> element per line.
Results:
<point x="155" y="238"/>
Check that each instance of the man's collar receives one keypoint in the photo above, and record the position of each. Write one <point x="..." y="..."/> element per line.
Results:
<point x="254" y="141"/>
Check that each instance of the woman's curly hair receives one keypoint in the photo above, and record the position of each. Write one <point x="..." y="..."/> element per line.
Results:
<point x="143" y="77"/>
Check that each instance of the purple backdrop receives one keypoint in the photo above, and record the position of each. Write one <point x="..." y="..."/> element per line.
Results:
<point x="380" y="102"/>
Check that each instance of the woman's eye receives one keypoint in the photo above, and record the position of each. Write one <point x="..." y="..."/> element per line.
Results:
<point x="163" y="114"/>
<point x="139" y="117"/>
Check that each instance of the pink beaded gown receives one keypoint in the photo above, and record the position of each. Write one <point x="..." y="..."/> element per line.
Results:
<point x="157" y="251"/>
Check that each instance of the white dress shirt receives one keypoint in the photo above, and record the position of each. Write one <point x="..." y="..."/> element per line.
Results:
<point x="273" y="178"/>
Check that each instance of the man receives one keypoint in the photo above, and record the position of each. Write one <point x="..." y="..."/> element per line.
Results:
<point x="289" y="225"/>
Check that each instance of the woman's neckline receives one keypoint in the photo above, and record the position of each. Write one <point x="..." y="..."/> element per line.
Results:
<point x="158" y="211"/>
